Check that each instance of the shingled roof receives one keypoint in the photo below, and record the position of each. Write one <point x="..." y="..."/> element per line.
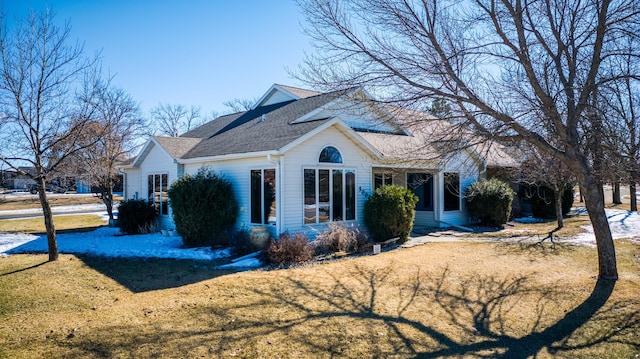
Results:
<point x="265" y="128"/>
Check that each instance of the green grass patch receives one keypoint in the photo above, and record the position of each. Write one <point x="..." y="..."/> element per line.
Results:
<point x="436" y="300"/>
<point x="80" y="222"/>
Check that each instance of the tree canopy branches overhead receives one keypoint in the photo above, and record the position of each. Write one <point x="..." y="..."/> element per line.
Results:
<point x="512" y="70"/>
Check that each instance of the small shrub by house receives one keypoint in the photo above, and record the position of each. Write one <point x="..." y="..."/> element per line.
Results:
<point x="342" y="238"/>
<point x="489" y="201"/>
<point x="389" y="213"/>
<point x="290" y="249"/>
<point x="137" y="216"/>
<point x="203" y="207"/>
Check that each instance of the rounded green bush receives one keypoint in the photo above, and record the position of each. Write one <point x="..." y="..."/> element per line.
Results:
<point x="203" y="207"/>
<point x="137" y="216"/>
<point x="489" y="201"/>
<point x="389" y="213"/>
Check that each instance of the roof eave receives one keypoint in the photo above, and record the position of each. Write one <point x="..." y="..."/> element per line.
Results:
<point x="227" y="157"/>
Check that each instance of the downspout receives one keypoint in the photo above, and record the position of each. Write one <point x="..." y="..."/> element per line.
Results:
<point x="279" y="186"/>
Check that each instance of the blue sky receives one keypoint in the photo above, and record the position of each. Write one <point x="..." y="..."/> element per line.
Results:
<point x="186" y="52"/>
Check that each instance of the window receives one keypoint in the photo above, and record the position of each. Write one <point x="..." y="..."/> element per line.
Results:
<point x="158" y="186"/>
<point x="309" y="196"/>
<point x="421" y="184"/>
<point x="263" y="196"/>
<point x="329" y="195"/>
<point x="330" y="154"/>
<point x="382" y="179"/>
<point x="451" y="192"/>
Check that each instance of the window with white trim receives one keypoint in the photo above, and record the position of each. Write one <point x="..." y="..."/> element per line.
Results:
<point x="158" y="188"/>
<point x="329" y="195"/>
<point x="382" y="179"/>
<point x="421" y="184"/>
<point x="263" y="196"/>
<point x="451" y="191"/>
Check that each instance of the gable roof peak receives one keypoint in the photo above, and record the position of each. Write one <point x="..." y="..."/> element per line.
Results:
<point x="281" y="93"/>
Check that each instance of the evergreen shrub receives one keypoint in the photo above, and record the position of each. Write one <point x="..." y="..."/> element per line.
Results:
<point x="203" y="207"/>
<point x="389" y="213"/>
<point x="489" y="201"/>
<point x="137" y="216"/>
<point x="542" y="200"/>
<point x="288" y="249"/>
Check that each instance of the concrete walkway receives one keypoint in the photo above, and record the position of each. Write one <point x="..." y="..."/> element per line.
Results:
<point x="417" y="239"/>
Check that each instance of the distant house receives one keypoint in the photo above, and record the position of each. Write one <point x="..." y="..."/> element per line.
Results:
<point x="23" y="182"/>
<point x="300" y="160"/>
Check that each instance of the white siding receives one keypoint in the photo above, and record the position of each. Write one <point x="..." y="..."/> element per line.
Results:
<point x="469" y="170"/>
<point x="276" y="97"/>
<point x="306" y="156"/>
<point x="157" y="161"/>
<point x="132" y="185"/>
<point x="238" y="172"/>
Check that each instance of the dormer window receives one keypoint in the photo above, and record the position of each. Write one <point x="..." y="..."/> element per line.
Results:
<point x="330" y="154"/>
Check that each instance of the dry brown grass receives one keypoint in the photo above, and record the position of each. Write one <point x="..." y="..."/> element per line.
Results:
<point x="436" y="300"/>
<point x="35" y="225"/>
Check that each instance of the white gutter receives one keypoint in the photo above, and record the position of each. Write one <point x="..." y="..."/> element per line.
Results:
<point x="231" y="156"/>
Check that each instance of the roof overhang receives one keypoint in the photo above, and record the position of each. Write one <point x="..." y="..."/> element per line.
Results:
<point x="148" y="146"/>
<point x="342" y="127"/>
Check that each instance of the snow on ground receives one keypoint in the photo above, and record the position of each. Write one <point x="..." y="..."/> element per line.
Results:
<point x="623" y="224"/>
<point x="108" y="242"/>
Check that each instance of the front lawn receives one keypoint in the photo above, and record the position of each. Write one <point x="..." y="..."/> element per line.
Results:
<point x="435" y="300"/>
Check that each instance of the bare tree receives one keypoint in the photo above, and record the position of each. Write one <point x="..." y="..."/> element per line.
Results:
<point x="114" y="130"/>
<point x="239" y="105"/>
<point x="512" y="69"/>
<point x="540" y="170"/>
<point x="621" y="106"/>
<point x="41" y="118"/>
<point x="172" y="120"/>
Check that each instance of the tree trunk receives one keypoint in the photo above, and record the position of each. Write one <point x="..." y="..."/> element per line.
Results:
<point x="616" y="192"/>
<point x="581" y="195"/>
<point x="48" y="220"/>
<point x="607" y="268"/>
<point x="632" y="194"/>
<point x="558" y="200"/>
<point x="107" y="199"/>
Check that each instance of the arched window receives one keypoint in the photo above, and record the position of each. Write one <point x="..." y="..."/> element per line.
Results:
<point x="330" y="154"/>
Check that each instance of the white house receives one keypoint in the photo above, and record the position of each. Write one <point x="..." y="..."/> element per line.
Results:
<point x="313" y="157"/>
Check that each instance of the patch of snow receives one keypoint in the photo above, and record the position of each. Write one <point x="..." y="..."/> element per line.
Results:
<point x="59" y="209"/>
<point x="623" y="224"/>
<point x="528" y="220"/>
<point x="245" y="263"/>
<point x="107" y="242"/>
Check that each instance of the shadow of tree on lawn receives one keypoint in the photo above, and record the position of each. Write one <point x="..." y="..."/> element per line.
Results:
<point x="380" y="312"/>
<point x="147" y="274"/>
